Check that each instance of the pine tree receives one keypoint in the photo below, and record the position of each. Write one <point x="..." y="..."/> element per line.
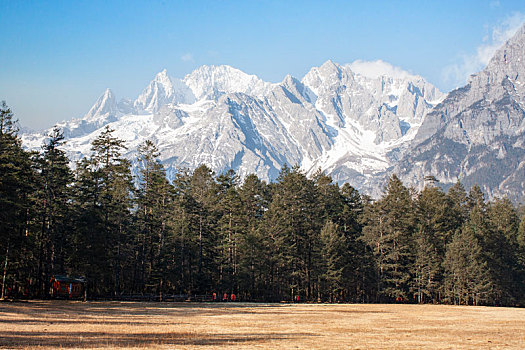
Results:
<point x="185" y="222"/>
<point x="155" y="198"/>
<point x="435" y="228"/>
<point x="470" y="261"/>
<point x="293" y="224"/>
<point x="17" y="183"/>
<point x="53" y="196"/>
<point x="334" y="253"/>
<point x="204" y="190"/>
<point x="466" y="279"/>
<point x="103" y="200"/>
<point x="254" y="248"/>
<point x="360" y="273"/>
<point x="502" y="251"/>
<point x="388" y="230"/>
<point x="476" y="199"/>
<point x="231" y="227"/>
<point x="458" y="198"/>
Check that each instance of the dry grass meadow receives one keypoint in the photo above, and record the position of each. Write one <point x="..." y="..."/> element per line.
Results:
<point x="67" y="324"/>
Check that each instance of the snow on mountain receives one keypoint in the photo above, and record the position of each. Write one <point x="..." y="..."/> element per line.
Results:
<point x="477" y="134"/>
<point x="104" y="111"/>
<point x="211" y="82"/>
<point x="105" y="106"/>
<point x="350" y="124"/>
<point x="373" y="117"/>
<point x="161" y="91"/>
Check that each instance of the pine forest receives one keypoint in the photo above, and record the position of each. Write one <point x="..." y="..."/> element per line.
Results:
<point x="296" y="238"/>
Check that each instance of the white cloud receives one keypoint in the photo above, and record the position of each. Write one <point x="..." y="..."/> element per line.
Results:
<point x="458" y="73"/>
<point x="187" y="57"/>
<point x="375" y="69"/>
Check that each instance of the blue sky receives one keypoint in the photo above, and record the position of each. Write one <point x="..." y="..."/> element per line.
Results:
<point x="57" y="57"/>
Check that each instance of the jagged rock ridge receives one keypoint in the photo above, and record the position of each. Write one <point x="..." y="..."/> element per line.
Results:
<point x="477" y="134"/>
<point x="351" y="125"/>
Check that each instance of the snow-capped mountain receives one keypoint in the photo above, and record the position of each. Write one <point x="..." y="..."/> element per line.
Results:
<point x="373" y="117"/>
<point x="161" y="91"/>
<point x="477" y="134"/>
<point x="210" y="82"/>
<point x="353" y="124"/>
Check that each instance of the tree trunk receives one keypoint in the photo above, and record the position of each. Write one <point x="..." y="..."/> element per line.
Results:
<point x="5" y="270"/>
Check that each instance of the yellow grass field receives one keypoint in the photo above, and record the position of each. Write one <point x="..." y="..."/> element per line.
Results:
<point x="68" y="324"/>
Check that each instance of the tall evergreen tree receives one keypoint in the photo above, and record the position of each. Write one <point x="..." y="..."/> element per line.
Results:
<point x="334" y="254"/>
<point x="16" y="185"/>
<point x="435" y="228"/>
<point x="388" y="230"/>
<point x="103" y="196"/>
<point x="185" y="223"/>
<point x="466" y="279"/>
<point x="204" y="190"/>
<point x="155" y="197"/>
<point x="293" y="224"/>
<point x="53" y="195"/>
<point x="502" y="251"/>
<point x="255" y="261"/>
<point x="476" y="271"/>
<point x="231" y="227"/>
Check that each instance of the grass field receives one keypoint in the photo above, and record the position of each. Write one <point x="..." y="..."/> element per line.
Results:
<point x="64" y="324"/>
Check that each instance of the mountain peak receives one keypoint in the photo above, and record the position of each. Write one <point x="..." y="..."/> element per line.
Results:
<point x="330" y="66"/>
<point x="108" y="93"/>
<point x="507" y="63"/>
<point x="163" y="78"/>
<point x="463" y="137"/>
<point x="289" y="79"/>
<point x="326" y="75"/>
<point x="104" y="106"/>
<point x="213" y="81"/>
<point x="162" y="74"/>
<point x="163" y="90"/>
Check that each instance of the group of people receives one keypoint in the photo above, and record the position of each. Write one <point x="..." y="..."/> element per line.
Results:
<point x="233" y="297"/>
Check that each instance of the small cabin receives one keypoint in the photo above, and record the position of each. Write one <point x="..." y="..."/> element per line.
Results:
<point x="67" y="287"/>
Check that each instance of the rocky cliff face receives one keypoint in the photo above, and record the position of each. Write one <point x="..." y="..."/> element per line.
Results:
<point x="477" y="134"/>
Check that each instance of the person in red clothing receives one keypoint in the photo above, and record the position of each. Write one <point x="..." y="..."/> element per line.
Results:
<point x="225" y="297"/>
<point x="233" y="297"/>
<point x="214" y="296"/>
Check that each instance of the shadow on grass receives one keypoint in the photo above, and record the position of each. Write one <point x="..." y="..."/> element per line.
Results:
<point x="53" y="308"/>
<point x="99" y="339"/>
<point x="54" y="321"/>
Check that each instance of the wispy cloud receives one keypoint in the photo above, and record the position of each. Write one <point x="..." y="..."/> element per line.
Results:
<point x="374" y="69"/>
<point x="494" y="4"/>
<point x="457" y="74"/>
<point x="187" y="57"/>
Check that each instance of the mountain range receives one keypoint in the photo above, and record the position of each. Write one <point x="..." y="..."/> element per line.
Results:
<point x="358" y="122"/>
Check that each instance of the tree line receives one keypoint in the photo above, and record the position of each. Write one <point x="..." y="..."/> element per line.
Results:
<point x="204" y="233"/>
